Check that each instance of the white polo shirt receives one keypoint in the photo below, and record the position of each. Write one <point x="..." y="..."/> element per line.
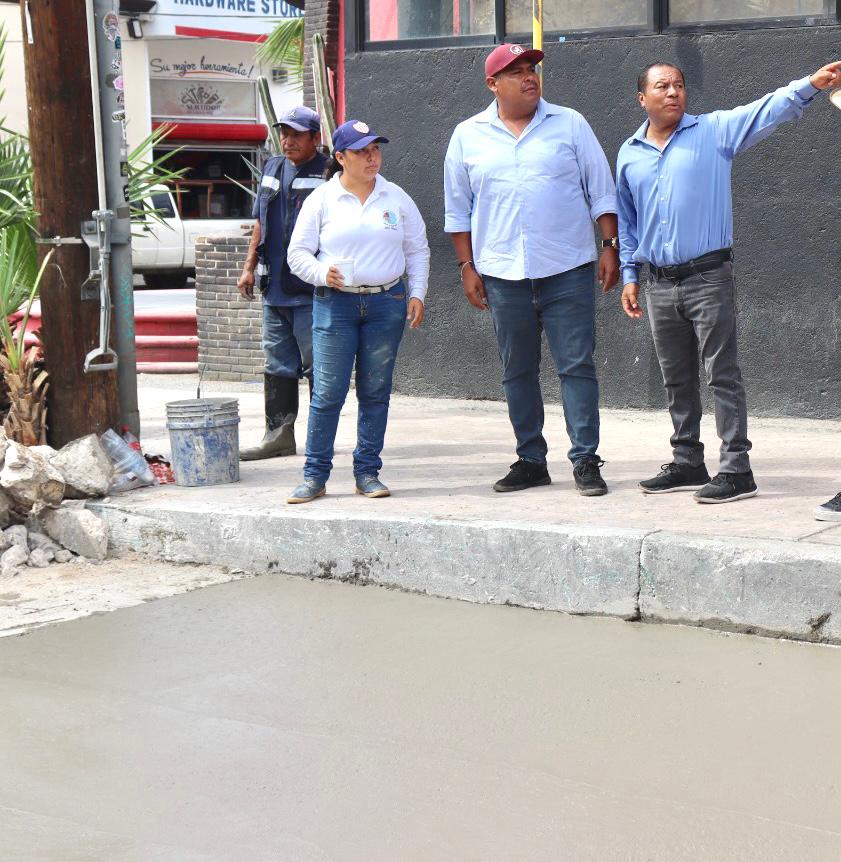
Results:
<point x="385" y="237"/>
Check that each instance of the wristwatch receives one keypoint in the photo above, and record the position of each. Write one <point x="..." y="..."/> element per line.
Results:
<point x="613" y="242"/>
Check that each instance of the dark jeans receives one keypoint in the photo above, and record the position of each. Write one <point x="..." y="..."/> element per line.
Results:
<point x="562" y="306"/>
<point x="350" y="330"/>
<point x="700" y="312"/>
<point x="287" y="340"/>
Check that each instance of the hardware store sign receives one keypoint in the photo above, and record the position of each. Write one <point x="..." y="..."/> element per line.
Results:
<point x="246" y="17"/>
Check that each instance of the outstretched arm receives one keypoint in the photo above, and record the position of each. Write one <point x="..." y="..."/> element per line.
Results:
<point x="742" y="127"/>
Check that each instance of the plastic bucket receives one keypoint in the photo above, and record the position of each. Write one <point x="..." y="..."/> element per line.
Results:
<point x="204" y="438"/>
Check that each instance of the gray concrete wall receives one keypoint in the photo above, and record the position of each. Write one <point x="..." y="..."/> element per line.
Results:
<point x="787" y="192"/>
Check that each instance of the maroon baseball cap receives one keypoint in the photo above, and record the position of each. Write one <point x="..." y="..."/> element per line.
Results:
<point x="504" y="55"/>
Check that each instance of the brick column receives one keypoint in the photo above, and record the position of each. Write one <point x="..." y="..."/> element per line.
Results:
<point x="230" y="327"/>
<point x="322" y="16"/>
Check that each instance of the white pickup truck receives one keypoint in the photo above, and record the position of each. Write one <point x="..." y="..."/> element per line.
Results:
<point x="165" y="253"/>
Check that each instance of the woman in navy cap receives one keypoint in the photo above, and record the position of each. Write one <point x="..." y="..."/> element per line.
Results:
<point x="355" y="239"/>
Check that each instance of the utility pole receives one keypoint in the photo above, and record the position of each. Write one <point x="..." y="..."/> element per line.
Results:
<point x="61" y="139"/>
<point x="115" y="167"/>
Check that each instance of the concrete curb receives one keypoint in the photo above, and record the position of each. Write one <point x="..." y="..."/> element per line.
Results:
<point x="777" y="588"/>
<point x="578" y="570"/>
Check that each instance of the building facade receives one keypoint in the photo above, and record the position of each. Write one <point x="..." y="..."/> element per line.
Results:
<point x="414" y="70"/>
<point x="193" y="67"/>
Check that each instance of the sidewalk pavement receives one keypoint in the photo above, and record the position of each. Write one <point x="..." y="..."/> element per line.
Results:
<point x="762" y="565"/>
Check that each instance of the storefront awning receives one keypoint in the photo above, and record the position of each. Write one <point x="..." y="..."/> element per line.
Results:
<point x="252" y="133"/>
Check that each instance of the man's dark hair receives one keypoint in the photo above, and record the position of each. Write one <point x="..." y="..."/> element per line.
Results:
<point x="642" y="80"/>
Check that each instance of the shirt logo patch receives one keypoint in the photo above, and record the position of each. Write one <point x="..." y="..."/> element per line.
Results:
<point x="361" y="127"/>
<point x="516" y="49"/>
<point x="390" y="220"/>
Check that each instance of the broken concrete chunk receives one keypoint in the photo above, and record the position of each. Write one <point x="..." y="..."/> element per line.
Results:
<point x="41" y="542"/>
<point x="12" y="560"/>
<point x="17" y="535"/>
<point x="40" y="558"/>
<point x="29" y="478"/>
<point x="85" y="467"/>
<point x="5" y="509"/>
<point x="47" y="451"/>
<point x="78" y="530"/>
<point x="62" y="555"/>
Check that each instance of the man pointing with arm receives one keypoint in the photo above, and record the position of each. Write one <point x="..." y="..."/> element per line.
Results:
<point x="676" y="214"/>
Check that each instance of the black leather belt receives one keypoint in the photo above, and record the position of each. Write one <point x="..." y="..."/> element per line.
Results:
<point x="704" y="263"/>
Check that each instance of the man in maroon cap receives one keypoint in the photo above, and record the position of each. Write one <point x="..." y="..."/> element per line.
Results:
<point x="524" y="180"/>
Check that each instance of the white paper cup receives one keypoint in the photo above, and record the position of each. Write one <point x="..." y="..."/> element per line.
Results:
<point x="345" y="267"/>
<point x="835" y="97"/>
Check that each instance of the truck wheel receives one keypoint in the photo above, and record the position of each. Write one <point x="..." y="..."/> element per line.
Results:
<point x="165" y="280"/>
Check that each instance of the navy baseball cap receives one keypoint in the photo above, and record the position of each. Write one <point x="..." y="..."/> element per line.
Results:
<point x="354" y="135"/>
<point x="300" y="119"/>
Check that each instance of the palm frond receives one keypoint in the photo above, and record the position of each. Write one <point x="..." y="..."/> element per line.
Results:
<point x="20" y="279"/>
<point x="16" y="204"/>
<point x="284" y="47"/>
<point x="256" y="173"/>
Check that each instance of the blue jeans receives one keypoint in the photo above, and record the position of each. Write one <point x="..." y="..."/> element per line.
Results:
<point x="365" y="331"/>
<point x="287" y="340"/>
<point x="563" y="306"/>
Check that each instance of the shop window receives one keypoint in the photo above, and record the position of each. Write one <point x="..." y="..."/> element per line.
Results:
<point x="216" y="183"/>
<point x="387" y="20"/>
<point x="710" y="11"/>
<point x="564" y="15"/>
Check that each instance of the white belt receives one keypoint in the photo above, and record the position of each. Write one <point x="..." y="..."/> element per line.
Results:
<point x="369" y="288"/>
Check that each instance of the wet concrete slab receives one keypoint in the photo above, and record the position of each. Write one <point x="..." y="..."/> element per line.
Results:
<point x="283" y="719"/>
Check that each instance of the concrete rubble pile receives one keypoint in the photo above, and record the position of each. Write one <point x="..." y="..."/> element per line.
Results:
<point x="43" y="518"/>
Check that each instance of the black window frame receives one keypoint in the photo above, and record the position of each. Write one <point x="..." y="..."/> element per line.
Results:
<point x="356" y="41"/>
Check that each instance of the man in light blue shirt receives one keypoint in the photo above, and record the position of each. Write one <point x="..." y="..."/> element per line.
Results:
<point x="524" y="181"/>
<point x="675" y="214"/>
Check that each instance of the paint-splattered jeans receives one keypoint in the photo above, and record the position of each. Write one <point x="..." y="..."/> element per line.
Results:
<point x="351" y="330"/>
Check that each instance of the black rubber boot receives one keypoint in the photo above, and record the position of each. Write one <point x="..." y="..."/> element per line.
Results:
<point x="281" y="411"/>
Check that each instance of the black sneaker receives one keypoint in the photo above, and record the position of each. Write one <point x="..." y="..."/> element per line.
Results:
<point x="588" y="477"/>
<point x="727" y="488"/>
<point x="524" y="474"/>
<point x="676" y="477"/>
<point x="830" y="511"/>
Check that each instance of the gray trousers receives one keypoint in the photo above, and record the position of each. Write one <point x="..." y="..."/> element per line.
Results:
<point x="700" y="312"/>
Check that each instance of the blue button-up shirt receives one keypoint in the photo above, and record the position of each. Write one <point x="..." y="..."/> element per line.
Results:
<point x="676" y="204"/>
<point x="529" y="202"/>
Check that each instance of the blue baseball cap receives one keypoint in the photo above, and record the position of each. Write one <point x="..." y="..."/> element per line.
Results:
<point x="300" y="119"/>
<point x="354" y="135"/>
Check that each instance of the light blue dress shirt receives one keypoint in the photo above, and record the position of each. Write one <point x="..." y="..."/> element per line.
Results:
<point x="676" y="205"/>
<point x="529" y="202"/>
